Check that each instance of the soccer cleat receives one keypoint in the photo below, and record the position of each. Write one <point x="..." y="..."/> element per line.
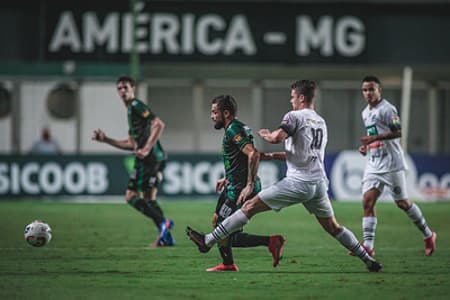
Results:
<point x="276" y="243"/>
<point x="198" y="239"/>
<point x="430" y="244"/>
<point x="369" y="251"/>
<point x="164" y="229"/>
<point x="224" y="268"/>
<point x="373" y="266"/>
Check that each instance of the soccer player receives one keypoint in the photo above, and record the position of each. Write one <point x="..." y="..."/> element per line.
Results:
<point x="241" y="160"/>
<point x="145" y="130"/>
<point x="304" y="134"/>
<point x="385" y="165"/>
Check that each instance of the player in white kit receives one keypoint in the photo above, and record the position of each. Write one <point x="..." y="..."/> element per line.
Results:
<point x="304" y="133"/>
<point x="386" y="165"/>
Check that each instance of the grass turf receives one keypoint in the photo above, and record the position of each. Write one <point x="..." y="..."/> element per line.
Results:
<point x="99" y="251"/>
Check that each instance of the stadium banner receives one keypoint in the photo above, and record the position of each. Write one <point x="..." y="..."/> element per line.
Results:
<point x="265" y="32"/>
<point x="195" y="175"/>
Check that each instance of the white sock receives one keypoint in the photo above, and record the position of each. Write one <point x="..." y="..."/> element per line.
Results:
<point x="369" y="225"/>
<point x="349" y="241"/>
<point x="415" y="214"/>
<point x="231" y="224"/>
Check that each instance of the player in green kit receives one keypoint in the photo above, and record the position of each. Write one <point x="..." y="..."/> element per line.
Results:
<point x="241" y="160"/>
<point x="144" y="131"/>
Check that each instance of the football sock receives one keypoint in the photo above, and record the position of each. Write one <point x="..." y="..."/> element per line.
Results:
<point x="369" y="225"/>
<point x="154" y="204"/>
<point x="243" y="240"/>
<point x="140" y="205"/>
<point x="349" y="241"/>
<point x="227" y="254"/>
<point x="231" y="224"/>
<point x="415" y="214"/>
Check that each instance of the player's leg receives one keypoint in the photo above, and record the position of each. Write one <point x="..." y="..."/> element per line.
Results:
<point x="372" y="188"/>
<point x="134" y="199"/>
<point x="156" y="176"/>
<point x="226" y="252"/>
<point x="347" y="239"/>
<point x="321" y="207"/>
<point x="153" y="177"/>
<point x="399" y="193"/>
<point x="230" y="225"/>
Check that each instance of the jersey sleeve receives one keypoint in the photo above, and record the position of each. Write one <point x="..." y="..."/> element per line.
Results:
<point x="289" y="123"/>
<point x="241" y="136"/>
<point x="392" y="119"/>
<point x="142" y="109"/>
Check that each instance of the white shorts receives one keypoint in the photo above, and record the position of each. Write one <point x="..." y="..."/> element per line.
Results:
<point x="394" y="181"/>
<point x="286" y="192"/>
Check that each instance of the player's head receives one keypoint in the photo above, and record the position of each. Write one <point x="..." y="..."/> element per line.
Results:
<point x="223" y="109"/>
<point x="371" y="89"/>
<point x="302" y="93"/>
<point x="125" y="88"/>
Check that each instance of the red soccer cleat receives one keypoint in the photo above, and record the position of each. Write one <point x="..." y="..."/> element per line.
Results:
<point x="430" y="244"/>
<point x="224" y="268"/>
<point x="276" y="243"/>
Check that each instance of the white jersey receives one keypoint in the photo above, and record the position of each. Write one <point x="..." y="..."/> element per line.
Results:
<point x="386" y="155"/>
<point x="305" y="147"/>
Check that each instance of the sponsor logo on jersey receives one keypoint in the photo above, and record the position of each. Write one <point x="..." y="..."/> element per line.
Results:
<point x="396" y="120"/>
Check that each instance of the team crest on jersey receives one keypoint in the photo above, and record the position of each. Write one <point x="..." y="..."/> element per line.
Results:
<point x="145" y="113"/>
<point x="237" y="138"/>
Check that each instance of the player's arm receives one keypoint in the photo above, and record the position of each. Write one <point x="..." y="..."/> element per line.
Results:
<point x="100" y="136"/>
<point x="157" y="126"/>
<point x="274" y="137"/>
<point x="253" y="162"/>
<point x="272" y="155"/>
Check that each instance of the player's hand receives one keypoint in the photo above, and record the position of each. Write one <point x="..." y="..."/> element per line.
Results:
<point x="214" y="220"/>
<point x="263" y="132"/>
<point x="363" y="150"/>
<point x="98" y="135"/>
<point x="245" y="193"/>
<point x="368" y="139"/>
<point x="141" y="153"/>
<point x="220" y="184"/>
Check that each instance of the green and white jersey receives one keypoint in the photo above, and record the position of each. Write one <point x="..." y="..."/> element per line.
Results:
<point x="237" y="135"/>
<point x="139" y="127"/>
<point x="386" y="155"/>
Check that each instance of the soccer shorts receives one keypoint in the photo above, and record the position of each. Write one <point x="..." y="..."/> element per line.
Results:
<point x="286" y="192"/>
<point x="394" y="181"/>
<point x="146" y="175"/>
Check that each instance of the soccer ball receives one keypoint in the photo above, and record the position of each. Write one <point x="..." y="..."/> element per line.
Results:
<point x="38" y="233"/>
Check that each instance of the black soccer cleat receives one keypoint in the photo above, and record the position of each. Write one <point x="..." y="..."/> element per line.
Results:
<point x="198" y="239"/>
<point x="374" y="266"/>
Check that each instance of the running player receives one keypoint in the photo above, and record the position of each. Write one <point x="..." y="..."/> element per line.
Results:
<point x="241" y="160"/>
<point x="385" y="165"/>
<point x="304" y="133"/>
<point x="145" y="129"/>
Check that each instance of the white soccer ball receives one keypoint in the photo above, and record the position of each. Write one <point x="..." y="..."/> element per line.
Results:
<point x="38" y="233"/>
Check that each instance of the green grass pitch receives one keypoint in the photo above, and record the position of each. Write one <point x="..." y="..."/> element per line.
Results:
<point x="99" y="251"/>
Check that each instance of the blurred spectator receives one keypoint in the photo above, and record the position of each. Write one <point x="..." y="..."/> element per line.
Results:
<point x="45" y="145"/>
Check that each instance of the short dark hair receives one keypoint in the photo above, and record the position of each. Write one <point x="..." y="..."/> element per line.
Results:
<point x="126" y="78"/>
<point x="225" y="102"/>
<point x="306" y="88"/>
<point x="370" y="78"/>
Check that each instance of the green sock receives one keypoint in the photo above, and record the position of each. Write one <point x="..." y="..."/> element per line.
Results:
<point x="140" y="205"/>
<point x="154" y="204"/>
